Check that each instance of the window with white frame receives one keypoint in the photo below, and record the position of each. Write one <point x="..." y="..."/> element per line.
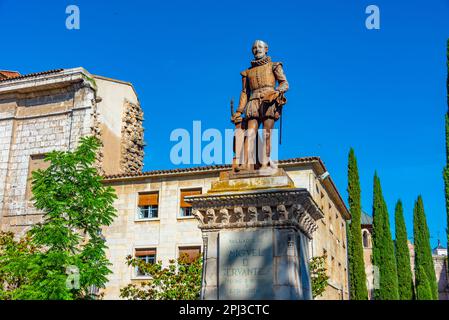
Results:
<point x="148" y="206"/>
<point x="185" y="209"/>
<point x="148" y="255"/>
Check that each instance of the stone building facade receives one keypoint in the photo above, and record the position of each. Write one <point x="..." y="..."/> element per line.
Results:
<point x="367" y="242"/>
<point x="51" y="110"/>
<point x="172" y="229"/>
<point x="439" y="257"/>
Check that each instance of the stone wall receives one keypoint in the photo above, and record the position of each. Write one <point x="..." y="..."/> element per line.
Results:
<point x="166" y="233"/>
<point x="52" y="110"/>
<point x="6" y="129"/>
<point x="120" y="126"/>
<point x="330" y="238"/>
<point x="41" y="122"/>
<point x="132" y="138"/>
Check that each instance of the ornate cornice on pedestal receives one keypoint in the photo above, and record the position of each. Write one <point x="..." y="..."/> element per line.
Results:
<point x="278" y="208"/>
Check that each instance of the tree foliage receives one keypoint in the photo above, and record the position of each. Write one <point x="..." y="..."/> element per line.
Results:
<point x="62" y="257"/>
<point x="357" y="276"/>
<point x="383" y="248"/>
<point x="423" y="290"/>
<point x="13" y="254"/>
<point x="405" y="277"/>
<point x="180" y="280"/>
<point x="423" y="252"/>
<point x="319" y="278"/>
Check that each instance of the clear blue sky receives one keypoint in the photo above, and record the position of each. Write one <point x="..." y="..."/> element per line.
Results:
<point x="379" y="91"/>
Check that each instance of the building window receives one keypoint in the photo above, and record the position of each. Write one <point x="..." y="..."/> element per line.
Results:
<point x="148" y="206"/>
<point x="186" y="208"/>
<point x="37" y="161"/>
<point x="190" y="253"/>
<point x="366" y="241"/>
<point x="322" y="200"/>
<point x="147" y="255"/>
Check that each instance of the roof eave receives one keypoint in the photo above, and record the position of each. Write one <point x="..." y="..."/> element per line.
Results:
<point x="53" y="78"/>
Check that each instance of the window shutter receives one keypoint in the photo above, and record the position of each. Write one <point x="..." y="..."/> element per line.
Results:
<point x="148" y="199"/>
<point x="145" y="252"/>
<point x="192" y="252"/>
<point x="185" y="193"/>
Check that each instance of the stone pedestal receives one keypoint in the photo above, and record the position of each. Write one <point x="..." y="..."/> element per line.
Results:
<point x="256" y="231"/>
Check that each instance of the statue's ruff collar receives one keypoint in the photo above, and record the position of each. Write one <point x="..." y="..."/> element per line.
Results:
<point x="260" y="62"/>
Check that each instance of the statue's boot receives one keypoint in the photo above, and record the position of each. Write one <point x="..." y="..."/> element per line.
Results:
<point x="267" y="168"/>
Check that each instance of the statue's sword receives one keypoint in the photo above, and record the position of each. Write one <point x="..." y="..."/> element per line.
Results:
<point x="232" y="113"/>
<point x="280" y="121"/>
<point x="237" y="127"/>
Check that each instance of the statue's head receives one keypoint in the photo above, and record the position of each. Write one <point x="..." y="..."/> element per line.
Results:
<point x="260" y="49"/>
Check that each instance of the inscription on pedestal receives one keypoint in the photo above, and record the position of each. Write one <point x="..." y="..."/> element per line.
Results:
<point x="246" y="264"/>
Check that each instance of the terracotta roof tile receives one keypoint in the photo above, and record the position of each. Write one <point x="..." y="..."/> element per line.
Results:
<point x="8" y="74"/>
<point x="30" y="75"/>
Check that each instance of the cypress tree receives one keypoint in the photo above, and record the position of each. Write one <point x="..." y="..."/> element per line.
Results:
<point x="405" y="278"/>
<point x="423" y="291"/>
<point x="423" y="252"/>
<point x="383" y="248"/>
<point x="446" y="168"/>
<point x="357" y="276"/>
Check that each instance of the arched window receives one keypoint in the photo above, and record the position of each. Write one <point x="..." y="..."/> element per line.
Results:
<point x="366" y="242"/>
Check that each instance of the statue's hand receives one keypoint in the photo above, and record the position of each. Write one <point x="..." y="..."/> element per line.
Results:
<point x="237" y="117"/>
<point x="277" y="115"/>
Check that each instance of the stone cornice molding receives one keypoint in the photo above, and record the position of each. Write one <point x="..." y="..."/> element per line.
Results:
<point x="271" y="208"/>
<point x="51" y="80"/>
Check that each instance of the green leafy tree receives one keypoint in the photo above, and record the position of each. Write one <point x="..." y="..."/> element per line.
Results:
<point x="446" y="168"/>
<point x="13" y="254"/>
<point x="357" y="276"/>
<point x="383" y="248"/>
<point x="317" y="267"/>
<point x="405" y="277"/>
<point x="63" y="257"/>
<point x="423" y="290"/>
<point x="180" y="280"/>
<point x="423" y="252"/>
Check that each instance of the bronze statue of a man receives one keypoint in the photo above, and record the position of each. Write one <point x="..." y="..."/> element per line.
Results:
<point x="260" y="102"/>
